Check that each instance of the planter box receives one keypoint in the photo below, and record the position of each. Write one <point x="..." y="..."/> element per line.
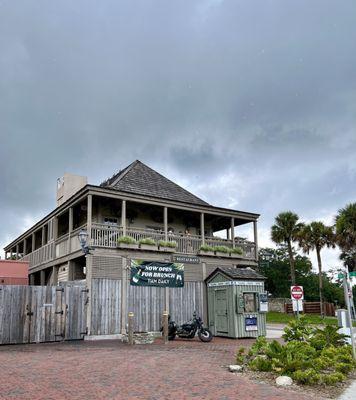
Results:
<point x="148" y="247"/>
<point x="127" y="245"/>
<point x="206" y="253"/>
<point x="236" y="255"/>
<point x="167" y="249"/>
<point x="221" y="254"/>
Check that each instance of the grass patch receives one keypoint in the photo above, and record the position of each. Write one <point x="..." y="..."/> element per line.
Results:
<point x="282" y="318"/>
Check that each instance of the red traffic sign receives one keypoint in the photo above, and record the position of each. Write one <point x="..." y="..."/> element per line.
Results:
<point x="297" y="292"/>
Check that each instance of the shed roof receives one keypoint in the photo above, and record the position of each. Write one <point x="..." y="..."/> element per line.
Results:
<point x="138" y="178"/>
<point x="237" y="273"/>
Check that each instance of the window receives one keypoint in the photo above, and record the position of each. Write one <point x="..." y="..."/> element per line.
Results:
<point x="250" y="302"/>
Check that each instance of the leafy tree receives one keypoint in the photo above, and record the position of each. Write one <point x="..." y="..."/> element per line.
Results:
<point x="285" y="231"/>
<point x="315" y="236"/>
<point x="345" y="224"/>
<point x="274" y="265"/>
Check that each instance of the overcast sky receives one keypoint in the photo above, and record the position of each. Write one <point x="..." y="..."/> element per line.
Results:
<point x="248" y="104"/>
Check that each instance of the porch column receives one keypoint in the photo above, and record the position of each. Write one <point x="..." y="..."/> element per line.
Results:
<point x="32" y="279"/>
<point x="33" y="242"/>
<point x="70" y="228"/>
<point x="24" y="247"/>
<point x="202" y="228"/>
<point x="43" y="277"/>
<point x="255" y="239"/>
<point x="55" y="228"/>
<point x="123" y="217"/>
<point x="228" y="233"/>
<point x="17" y="252"/>
<point x="55" y="276"/>
<point x="89" y="216"/>
<point x="165" y="222"/>
<point x="233" y="231"/>
<point x="11" y="254"/>
<point x="43" y="239"/>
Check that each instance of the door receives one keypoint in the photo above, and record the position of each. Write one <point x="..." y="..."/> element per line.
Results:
<point x="221" y="314"/>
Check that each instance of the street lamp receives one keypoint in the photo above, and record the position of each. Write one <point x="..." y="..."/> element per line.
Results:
<point x="83" y="240"/>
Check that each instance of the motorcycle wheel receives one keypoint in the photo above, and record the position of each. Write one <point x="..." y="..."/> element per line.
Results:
<point x="172" y="336"/>
<point x="205" y="335"/>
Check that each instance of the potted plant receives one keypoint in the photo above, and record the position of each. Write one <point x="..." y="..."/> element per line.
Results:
<point x="148" y="244"/>
<point x="127" y="242"/>
<point x="221" y="251"/>
<point x="206" y="250"/>
<point x="167" y="246"/>
<point x="236" y="252"/>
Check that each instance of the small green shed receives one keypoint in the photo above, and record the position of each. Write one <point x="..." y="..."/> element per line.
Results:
<point x="237" y="302"/>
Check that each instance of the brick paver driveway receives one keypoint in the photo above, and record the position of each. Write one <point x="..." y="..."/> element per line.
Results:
<point x="113" y="370"/>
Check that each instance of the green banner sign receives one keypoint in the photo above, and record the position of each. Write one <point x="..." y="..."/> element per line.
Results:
<point x="154" y="273"/>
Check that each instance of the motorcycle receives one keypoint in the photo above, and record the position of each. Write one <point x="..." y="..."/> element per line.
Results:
<point x="189" y="329"/>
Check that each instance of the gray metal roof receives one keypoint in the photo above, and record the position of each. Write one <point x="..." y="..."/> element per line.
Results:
<point x="237" y="273"/>
<point x="138" y="178"/>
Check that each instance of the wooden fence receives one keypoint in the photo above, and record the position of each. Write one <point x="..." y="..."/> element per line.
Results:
<point x="313" y="307"/>
<point x="34" y="314"/>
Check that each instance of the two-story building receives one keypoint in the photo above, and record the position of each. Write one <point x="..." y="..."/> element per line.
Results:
<point x="137" y="203"/>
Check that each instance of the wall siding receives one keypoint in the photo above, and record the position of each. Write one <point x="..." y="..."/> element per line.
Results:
<point x="107" y="267"/>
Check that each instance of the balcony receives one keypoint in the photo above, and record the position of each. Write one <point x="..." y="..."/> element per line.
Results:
<point x="107" y="236"/>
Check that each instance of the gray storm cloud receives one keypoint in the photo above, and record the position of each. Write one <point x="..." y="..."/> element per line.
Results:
<point x="250" y="104"/>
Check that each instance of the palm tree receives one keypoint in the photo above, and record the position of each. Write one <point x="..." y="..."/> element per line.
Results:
<point x="315" y="236"/>
<point x="285" y="230"/>
<point x="345" y="224"/>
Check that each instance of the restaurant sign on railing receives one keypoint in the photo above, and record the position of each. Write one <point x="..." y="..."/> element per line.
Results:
<point x="154" y="273"/>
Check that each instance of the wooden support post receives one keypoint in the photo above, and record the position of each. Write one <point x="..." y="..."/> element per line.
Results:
<point x="166" y="298"/>
<point x="32" y="279"/>
<point x="165" y="326"/>
<point x="55" y="228"/>
<point x="202" y="228"/>
<point x="131" y="328"/>
<point x="123" y="217"/>
<point x="43" y="277"/>
<point x="89" y="217"/>
<point x="70" y="228"/>
<point x="33" y="242"/>
<point x="17" y="252"/>
<point x="123" y="296"/>
<point x="165" y="222"/>
<point x="88" y="277"/>
<point x="233" y="231"/>
<point x="24" y="247"/>
<point x="255" y="237"/>
<point x="43" y="239"/>
<point x="55" y="275"/>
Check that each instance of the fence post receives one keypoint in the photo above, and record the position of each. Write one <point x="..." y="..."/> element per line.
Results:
<point x="130" y="328"/>
<point x="165" y="326"/>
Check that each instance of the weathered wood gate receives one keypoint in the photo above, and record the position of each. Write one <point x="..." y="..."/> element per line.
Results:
<point x="34" y="314"/>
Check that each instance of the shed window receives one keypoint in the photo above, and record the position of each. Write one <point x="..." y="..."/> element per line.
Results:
<point x="250" y="301"/>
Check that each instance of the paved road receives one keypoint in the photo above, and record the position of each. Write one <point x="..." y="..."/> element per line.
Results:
<point x="113" y="370"/>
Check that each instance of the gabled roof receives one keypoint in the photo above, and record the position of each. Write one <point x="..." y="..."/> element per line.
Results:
<point x="138" y="178"/>
<point x="237" y="273"/>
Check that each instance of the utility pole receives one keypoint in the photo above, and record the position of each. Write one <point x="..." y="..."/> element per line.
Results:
<point x="348" y="305"/>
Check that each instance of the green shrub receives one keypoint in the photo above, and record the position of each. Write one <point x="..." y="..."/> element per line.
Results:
<point x="261" y="363"/>
<point x="221" y="249"/>
<point x="240" y="356"/>
<point x="306" y="377"/>
<point x="236" y="250"/>
<point x="163" y="243"/>
<point x="206" y="247"/>
<point x="297" y="329"/>
<point x="333" y="378"/>
<point x="148" y="241"/>
<point x="126" y="240"/>
<point x="309" y="356"/>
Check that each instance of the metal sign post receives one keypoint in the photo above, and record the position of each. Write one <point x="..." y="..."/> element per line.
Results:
<point x="297" y="294"/>
<point x="347" y="300"/>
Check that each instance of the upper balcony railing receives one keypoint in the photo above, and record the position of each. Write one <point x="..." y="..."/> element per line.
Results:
<point x="107" y="236"/>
